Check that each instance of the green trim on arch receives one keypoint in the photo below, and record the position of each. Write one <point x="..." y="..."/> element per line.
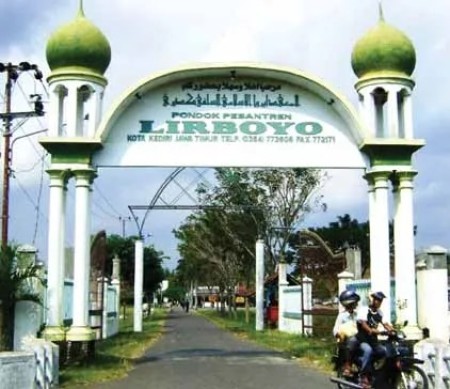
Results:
<point x="70" y="150"/>
<point x="388" y="152"/>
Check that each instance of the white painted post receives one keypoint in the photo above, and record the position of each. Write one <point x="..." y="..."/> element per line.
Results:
<point x="282" y="284"/>
<point x="115" y="281"/>
<point x="105" y="323"/>
<point x="138" y="284"/>
<point x="259" y="293"/>
<point x="307" y="304"/>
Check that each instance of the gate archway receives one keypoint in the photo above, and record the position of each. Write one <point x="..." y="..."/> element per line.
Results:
<point x="229" y="115"/>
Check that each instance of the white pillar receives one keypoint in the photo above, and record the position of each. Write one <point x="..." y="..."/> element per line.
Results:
<point x="307" y="305"/>
<point x="80" y="330"/>
<point x="55" y="263"/>
<point x="405" y="273"/>
<point x="54" y="111"/>
<point x="95" y="110"/>
<point x="393" y="113"/>
<point x="138" y="284"/>
<point x="368" y="111"/>
<point x="105" y="324"/>
<point x="72" y="110"/>
<point x="379" y="236"/>
<point x="408" y="116"/>
<point x="80" y="113"/>
<point x="115" y="282"/>
<point x="282" y="284"/>
<point x="259" y="290"/>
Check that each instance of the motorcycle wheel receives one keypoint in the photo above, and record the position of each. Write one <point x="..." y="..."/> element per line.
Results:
<point x="414" y="378"/>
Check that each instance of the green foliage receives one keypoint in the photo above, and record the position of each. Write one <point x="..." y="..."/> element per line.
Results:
<point x="124" y="249"/>
<point x="175" y="293"/>
<point x="345" y="229"/>
<point x="17" y="283"/>
<point x="115" y="356"/>
<point x="217" y="244"/>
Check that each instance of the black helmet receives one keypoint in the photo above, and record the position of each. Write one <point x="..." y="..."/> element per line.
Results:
<point x="378" y="295"/>
<point x="348" y="297"/>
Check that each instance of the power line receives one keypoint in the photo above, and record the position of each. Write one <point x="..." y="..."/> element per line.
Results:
<point x="28" y="196"/>
<point x="40" y="160"/>
<point x="41" y="185"/>
<point x="106" y="200"/>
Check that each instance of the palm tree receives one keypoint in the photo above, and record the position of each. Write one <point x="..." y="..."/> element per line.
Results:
<point x="16" y="284"/>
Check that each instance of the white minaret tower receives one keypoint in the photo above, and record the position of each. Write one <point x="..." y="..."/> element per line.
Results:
<point x="78" y="55"/>
<point x="384" y="60"/>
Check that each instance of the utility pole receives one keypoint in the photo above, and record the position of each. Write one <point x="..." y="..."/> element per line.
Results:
<point x="124" y="220"/>
<point x="12" y="74"/>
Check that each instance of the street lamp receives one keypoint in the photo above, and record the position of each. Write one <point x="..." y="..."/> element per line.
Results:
<point x="12" y="74"/>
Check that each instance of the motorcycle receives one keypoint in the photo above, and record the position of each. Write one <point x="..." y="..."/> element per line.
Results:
<point x="398" y="369"/>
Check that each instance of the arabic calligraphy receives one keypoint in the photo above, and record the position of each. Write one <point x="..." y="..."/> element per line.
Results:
<point x="231" y="86"/>
<point x="235" y="100"/>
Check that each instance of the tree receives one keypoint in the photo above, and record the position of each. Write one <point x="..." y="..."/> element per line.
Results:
<point x="345" y="232"/>
<point x="267" y="203"/>
<point x="16" y="284"/>
<point x="124" y="249"/>
<point x="245" y="204"/>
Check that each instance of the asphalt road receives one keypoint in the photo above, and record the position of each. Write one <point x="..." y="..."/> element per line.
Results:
<point x="195" y="354"/>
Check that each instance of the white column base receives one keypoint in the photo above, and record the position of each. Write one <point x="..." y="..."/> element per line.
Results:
<point x="54" y="333"/>
<point x="80" y="334"/>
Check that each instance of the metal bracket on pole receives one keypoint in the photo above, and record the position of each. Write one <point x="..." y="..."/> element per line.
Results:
<point x="26" y="114"/>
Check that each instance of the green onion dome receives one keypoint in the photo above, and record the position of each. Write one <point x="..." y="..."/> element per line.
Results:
<point x="383" y="51"/>
<point x="78" y="47"/>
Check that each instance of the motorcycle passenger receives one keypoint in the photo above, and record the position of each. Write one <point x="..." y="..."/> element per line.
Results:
<point x="368" y="331"/>
<point x="345" y="328"/>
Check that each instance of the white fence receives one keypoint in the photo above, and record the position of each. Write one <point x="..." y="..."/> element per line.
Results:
<point x="294" y="303"/>
<point x="31" y="317"/>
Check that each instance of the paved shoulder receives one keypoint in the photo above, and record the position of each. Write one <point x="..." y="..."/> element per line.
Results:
<point x="195" y="354"/>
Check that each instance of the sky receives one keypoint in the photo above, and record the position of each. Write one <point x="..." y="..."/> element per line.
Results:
<point x="148" y="36"/>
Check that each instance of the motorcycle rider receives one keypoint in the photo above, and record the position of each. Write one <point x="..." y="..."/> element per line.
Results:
<point x="345" y="328"/>
<point x="368" y="330"/>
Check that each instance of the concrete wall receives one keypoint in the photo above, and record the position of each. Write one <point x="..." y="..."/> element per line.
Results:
<point x="17" y="370"/>
<point x="292" y="315"/>
<point x="46" y="355"/>
<point x="295" y="303"/>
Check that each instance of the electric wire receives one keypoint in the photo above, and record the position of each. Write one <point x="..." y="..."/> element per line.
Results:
<point x="41" y="185"/>
<point x="105" y="199"/>
<point x="28" y="196"/>
<point x="41" y="159"/>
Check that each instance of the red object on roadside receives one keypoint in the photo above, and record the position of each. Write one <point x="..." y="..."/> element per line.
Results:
<point x="272" y="315"/>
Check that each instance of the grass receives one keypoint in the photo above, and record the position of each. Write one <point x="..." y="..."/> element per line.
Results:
<point x="309" y="350"/>
<point x="114" y="356"/>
